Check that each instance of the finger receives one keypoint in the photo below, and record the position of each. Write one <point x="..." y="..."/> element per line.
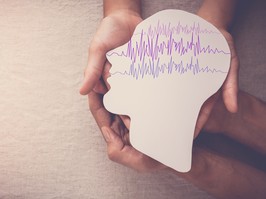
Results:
<point x="120" y="129"/>
<point x="93" y="72"/>
<point x="101" y="115"/>
<point x="204" y="113"/>
<point x="106" y="74"/>
<point x="100" y="87"/>
<point x="230" y="90"/>
<point x="127" y="155"/>
<point x="126" y="120"/>
<point x="230" y="86"/>
<point x="104" y="118"/>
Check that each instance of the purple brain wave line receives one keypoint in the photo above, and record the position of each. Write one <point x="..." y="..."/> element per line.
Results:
<point x="155" y="69"/>
<point x="154" y="49"/>
<point x="168" y="29"/>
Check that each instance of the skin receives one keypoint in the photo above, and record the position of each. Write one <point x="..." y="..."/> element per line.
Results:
<point x="218" y="114"/>
<point x="120" y="18"/>
<point x="222" y="174"/>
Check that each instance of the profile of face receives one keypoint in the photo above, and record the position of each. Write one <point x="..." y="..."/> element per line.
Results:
<point x="173" y="63"/>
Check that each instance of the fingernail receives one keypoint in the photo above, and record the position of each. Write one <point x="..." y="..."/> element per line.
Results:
<point x="106" y="134"/>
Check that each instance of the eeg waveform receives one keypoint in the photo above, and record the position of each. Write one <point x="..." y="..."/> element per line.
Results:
<point x="155" y="69"/>
<point x="146" y="52"/>
<point x="168" y="29"/>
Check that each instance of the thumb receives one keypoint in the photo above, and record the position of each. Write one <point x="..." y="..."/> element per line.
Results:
<point x="230" y="86"/>
<point x="205" y="112"/>
<point x="93" y="72"/>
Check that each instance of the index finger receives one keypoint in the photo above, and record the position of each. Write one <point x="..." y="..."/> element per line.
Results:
<point x="101" y="115"/>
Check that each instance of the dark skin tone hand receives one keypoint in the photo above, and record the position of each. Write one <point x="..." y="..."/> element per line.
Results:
<point x="219" y="175"/>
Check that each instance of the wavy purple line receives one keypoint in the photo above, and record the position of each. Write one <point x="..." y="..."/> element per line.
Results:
<point x="152" y="48"/>
<point x="154" y="69"/>
<point x="168" y="29"/>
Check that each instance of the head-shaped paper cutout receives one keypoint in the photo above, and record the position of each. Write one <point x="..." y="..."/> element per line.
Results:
<point x="160" y="78"/>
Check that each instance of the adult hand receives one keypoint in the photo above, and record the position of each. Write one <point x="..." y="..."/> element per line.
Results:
<point x="114" y="30"/>
<point x="229" y="89"/>
<point x="220" y="13"/>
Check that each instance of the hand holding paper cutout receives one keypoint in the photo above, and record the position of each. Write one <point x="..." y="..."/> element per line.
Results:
<point x="114" y="30"/>
<point x="173" y="63"/>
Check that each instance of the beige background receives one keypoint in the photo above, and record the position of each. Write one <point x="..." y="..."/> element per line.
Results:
<point x="50" y="146"/>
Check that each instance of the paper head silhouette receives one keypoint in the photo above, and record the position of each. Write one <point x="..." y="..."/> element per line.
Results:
<point x="160" y="78"/>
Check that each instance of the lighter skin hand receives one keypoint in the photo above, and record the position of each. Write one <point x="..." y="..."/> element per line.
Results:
<point x="115" y="30"/>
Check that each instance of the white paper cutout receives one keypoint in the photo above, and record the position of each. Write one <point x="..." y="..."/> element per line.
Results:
<point x="174" y="61"/>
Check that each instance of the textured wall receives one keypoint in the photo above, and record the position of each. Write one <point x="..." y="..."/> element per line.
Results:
<point x="50" y="146"/>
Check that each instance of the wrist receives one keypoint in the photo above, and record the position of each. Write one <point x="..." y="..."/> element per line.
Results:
<point x="131" y="7"/>
<point x="219" y="12"/>
<point x="123" y="12"/>
<point x="200" y="169"/>
<point x="125" y="18"/>
<point x="216" y="21"/>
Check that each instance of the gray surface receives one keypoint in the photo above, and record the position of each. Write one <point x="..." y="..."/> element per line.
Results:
<point x="50" y="146"/>
<point x="249" y="33"/>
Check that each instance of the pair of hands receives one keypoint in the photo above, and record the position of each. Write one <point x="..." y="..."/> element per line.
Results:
<point x="115" y="30"/>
